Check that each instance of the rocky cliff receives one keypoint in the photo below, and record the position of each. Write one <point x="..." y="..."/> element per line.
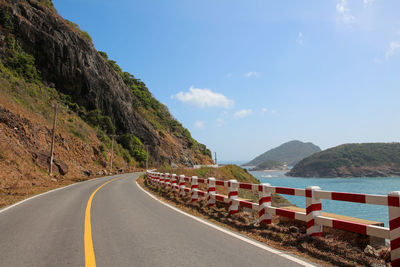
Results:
<point x="67" y="60"/>
<point x="352" y="160"/>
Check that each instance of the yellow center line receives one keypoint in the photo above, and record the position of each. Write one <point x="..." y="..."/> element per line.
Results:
<point x="90" y="260"/>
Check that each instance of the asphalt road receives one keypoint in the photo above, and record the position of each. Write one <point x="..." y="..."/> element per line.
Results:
<point x="129" y="228"/>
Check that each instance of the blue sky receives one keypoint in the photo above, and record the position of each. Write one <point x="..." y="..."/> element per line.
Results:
<point x="247" y="76"/>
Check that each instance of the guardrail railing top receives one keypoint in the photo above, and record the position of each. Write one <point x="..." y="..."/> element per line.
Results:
<point x="313" y="215"/>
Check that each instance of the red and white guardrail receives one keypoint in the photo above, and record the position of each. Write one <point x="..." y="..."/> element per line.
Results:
<point x="313" y="215"/>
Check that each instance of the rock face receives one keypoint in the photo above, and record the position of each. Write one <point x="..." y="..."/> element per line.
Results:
<point x="288" y="153"/>
<point x="69" y="61"/>
<point x="352" y="160"/>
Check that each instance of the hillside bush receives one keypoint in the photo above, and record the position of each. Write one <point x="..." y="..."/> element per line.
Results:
<point x="134" y="146"/>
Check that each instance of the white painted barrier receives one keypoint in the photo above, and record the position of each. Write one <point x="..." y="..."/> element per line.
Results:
<point x="313" y="215"/>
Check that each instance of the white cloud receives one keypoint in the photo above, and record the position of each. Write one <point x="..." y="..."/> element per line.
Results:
<point x="269" y="111"/>
<point x="394" y="48"/>
<point x="344" y="12"/>
<point x="300" y="39"/>
<point x="203" y="98"/>
<point x="199" y="124"/>
<point x="252" y="74"/>
<point x="243" y="113"/>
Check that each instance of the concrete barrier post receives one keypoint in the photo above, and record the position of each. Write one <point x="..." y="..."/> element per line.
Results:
<point x="158" y="177"/>
<point x="313" y="209"/>
<point x="264" y="202"/>
<point x="182" y="185"/>
<point x="167" y="179"/>
<point x="162" y="177"/>
<point x="194" y="187"/>
<point x="173" y="182"/>
<point x="394" y="226"/>
<point x="233" y="206"/>
<point x="211" y="190"/>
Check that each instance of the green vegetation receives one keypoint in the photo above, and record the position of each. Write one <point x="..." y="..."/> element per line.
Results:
<point x="20" y="62"/>
<point x="47" y="3"/>
<point x="353" y="157"/>
<point x="155" y="112"/>
<point x="134" y="146"/>
<point x="75" y="27"/>
<point x="96" y="119"/>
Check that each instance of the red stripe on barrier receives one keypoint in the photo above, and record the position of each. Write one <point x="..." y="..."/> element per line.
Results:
<point x="195" y="186"/>
<point x="211" y="189"/>
<point x="310" y="223"/>
<point x="233" y="212"/>
<point x="317" y="234"/>
<point x="219" y="198"/>
<point x="260" y="188"/>
<point x="285" y="213"/>
<point x="219" y="182"/>
<point x="395" y="244"/>
<point x="187" y="190"/>
<point x="245" y="186"/>
<point x="200" y="180"/>
<point x="350" y="197"/>
<point x="350" y="226"/>
<point x="261" y="212"/>
<point x="395" y="223"/>
<point x="308" y="193"/>
<point x="231" y="194"/>
<point x="246" y="204"/>
<point x="284" y="190"/>
<point x="393" y="201"/>
<point x="313" y="207"/>
<point x="264" y="199"/>
<point x="187" y="179"/>
<point x="201" y="193"/>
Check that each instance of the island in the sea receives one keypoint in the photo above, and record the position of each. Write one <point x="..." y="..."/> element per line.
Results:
<point x="286" y="154"/>
<point x="351" y="160"/>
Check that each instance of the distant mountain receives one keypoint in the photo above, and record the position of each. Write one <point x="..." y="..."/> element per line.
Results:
<point x="289" y="153"/>
<point x="352" y="160"/>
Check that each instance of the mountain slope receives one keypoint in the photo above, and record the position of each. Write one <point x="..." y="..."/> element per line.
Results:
<point x="352" y="160"/>
<point x="66" y="59"/>
<point x="289" y="153"/>
<point x="45" y="59"/>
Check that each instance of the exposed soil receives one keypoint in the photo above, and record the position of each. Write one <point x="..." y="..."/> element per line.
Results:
<point x="25" y="140"/>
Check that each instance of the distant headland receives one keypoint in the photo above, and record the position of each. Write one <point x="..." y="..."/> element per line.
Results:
<point x="351" y="160"/>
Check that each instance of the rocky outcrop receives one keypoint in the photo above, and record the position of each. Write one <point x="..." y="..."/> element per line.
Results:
<point x="68" y="60"/>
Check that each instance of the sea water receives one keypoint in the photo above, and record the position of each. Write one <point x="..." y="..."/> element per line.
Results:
<point x="367" y="185"/>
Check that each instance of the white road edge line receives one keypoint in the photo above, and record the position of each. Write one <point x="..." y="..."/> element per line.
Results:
<point x="219" y="228"/>
<point x="47" y="192"/>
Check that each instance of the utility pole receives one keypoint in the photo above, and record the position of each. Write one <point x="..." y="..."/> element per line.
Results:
<point x="147" y="157"/>
<point x="55" y="106"/>
<point x="112" y="152"/>
<point x="215" y="153"/>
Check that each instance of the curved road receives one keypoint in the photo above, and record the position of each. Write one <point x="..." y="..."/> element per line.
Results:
<point x="129" y="228"/>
